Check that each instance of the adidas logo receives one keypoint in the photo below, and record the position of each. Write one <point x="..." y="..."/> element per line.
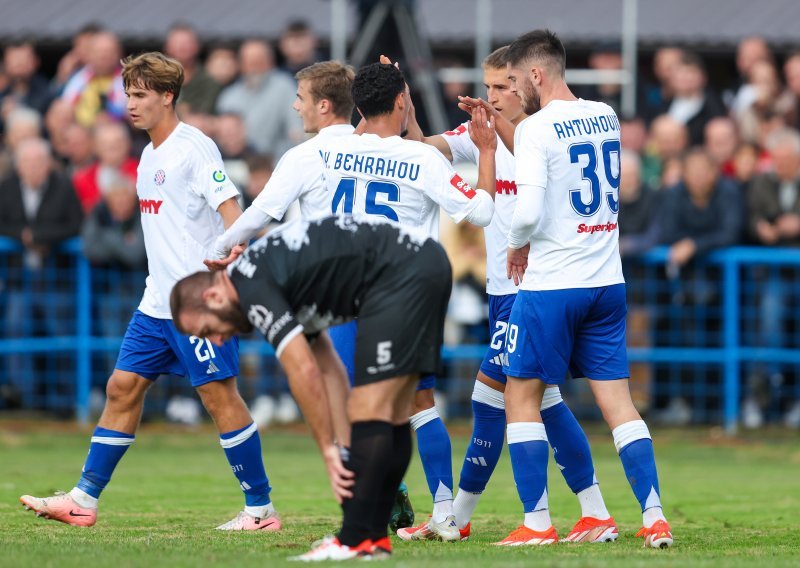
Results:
<point x="212" y="368"/>
<point x="478" y="461"/>
<point x="499" y="360"/>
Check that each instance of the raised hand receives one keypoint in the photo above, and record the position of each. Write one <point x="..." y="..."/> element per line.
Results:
<point x="221" y="264"/>
<point x="482" y="130"/>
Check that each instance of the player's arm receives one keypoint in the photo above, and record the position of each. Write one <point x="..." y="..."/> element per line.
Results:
<point x="230" y="211"/>
<point x="483" y="134"/>
<point x="306" y="383"/>
<point x="505" y="128"/>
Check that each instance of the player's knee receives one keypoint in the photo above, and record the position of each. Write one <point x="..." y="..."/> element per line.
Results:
<point x="123" y="391"/>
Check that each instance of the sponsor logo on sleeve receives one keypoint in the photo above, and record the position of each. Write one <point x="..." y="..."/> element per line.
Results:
<point x="219" y="176"/>
<point x="461" y="129"/>
<point x="462" y="186"/>
<point x="278" y="326"/>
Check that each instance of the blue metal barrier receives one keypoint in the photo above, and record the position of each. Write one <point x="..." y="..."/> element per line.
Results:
<point x="725" y="348"/>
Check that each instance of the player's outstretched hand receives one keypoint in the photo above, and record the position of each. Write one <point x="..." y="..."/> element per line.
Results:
<point x="221" y="264"/>
<point x="383" y="60"/>
<point x="482" y="130"/>
<point x="468" y="104"/>
<point x="517" y="263"/>
<point x="341" y="478"/>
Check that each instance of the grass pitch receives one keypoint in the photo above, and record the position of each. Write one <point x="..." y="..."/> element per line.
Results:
<point x="730" y="503"/>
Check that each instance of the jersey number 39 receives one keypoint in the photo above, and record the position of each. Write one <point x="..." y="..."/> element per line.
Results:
<point x="609" y="150"/>
<point x="386" y="191"/>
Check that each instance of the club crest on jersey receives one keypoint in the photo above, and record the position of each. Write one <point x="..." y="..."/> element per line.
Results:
<point x="462" y="186"/>
<point x="219" y="176"/>
<point x="160" y="177"/>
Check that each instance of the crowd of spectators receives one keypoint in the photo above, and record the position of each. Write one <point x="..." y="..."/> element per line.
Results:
<point x="702" y="167"/>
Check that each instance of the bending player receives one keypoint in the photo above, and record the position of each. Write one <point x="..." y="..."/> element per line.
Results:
<point x="294" y="283"/>
<point x="185" y="198"/>
<point x="570" y="310"/>
<point x="571" y="448"/>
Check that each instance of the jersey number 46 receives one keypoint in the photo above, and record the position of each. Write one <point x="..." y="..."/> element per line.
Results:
<point x="387" y="192"/>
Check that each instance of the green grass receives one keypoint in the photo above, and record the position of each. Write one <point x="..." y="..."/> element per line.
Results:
<point x="730" y="503"/>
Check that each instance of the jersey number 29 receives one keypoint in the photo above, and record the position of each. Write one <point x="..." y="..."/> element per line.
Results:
<point x="346" y="195"/>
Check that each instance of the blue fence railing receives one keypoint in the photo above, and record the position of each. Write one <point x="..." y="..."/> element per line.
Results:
<point x="696" y="334"/>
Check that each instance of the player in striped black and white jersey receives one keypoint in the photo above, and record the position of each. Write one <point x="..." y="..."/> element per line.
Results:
<point x="564" y="433"/>
<point x="185" y="199"/>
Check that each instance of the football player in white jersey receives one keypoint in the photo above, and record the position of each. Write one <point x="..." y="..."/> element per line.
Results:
<point x="325" y="105"/>
<point x="486" y="443"/>
<point x="569" y="314"/>
<point x="185" y="199"/>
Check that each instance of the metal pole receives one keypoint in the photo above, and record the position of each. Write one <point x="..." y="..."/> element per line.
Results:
<point x="629" y="53"/>
<point x="339" y="30"/>
<point x="731" y="342"/>
<point x="483" y="39"/>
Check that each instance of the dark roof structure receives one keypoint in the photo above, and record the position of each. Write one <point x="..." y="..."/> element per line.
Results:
<point x="703" y="23"/>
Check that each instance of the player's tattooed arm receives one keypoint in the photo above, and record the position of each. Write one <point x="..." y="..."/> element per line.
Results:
<point x="482" y="132"/>
<point x="306" y="383"/>
<point x="505" y="128"/>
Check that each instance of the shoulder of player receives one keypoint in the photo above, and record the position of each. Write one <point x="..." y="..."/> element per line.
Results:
<point x="195" y="144"/>
<point x="415" y="149"/>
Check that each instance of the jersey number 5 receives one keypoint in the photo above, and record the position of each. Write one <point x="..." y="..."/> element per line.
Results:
<point x="346" y="195"/>
<point x="609" y="150"/>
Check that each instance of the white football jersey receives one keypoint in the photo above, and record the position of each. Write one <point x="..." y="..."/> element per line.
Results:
<point x="496" y="234"/>
<point x="402" y="180"/>
<point x="298" y="176"/>
<point x="572" y="150"/>
<point x="180" y="185"/>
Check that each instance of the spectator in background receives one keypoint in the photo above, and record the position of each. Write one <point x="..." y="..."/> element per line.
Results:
<point x="774" y="198"/>
<point x="665" y="61"/>
<point x="769" y="99"/>
<point x="200" y="91"/>
<point x="40" y="207"/>
<point x="222" y="65"/>
<point x="39" y="210"/>
<point x="605" y="57"/>
<point x="21" y="124"/>
<point x="80" y="149"/>
<point x="745" y="165"/>
<point x="451" y="90"/>
<point x="96" y="89"/>
<point x="263" y="97"/>
<point x="693" y="103"/>
<point x="773" y="220"/>
<point x="26" y="86"/>
<point x="633" y="134"/>
<point x="59" y="116"/>
<point x="231" y="138"/>
<point x="701" y="213"/>
<point x="721" y="142"/>
<point x="638" y="222"/>
<point x="668" y="140"/>
<point x="751" y="50"/>
<point x="112" y="146"/>
<point x="112" y="234"/>
<point x="791" y="71"/>
<point x="298" y="45"/>
<point x="77" y="57"/>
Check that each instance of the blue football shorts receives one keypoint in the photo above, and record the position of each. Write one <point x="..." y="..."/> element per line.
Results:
<point x="580" y="330"/>
<point x="153" y="347"/>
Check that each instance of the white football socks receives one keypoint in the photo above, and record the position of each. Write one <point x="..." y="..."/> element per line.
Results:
<point x="442" y="510"/>
<point x="464" y="506"/>
<point x="83" y="499"/>
<point x="260" y="512"/>
<point x="592" y="504"/>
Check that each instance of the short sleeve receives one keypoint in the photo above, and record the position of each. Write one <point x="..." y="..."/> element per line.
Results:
<point x="530" y="155"/>
<point x="287" y="182"/>
<point x="460" y="143"/>
<point x="448" y="189"/>
<point x="264" y="304"/>
<point x="211" y="181"/>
